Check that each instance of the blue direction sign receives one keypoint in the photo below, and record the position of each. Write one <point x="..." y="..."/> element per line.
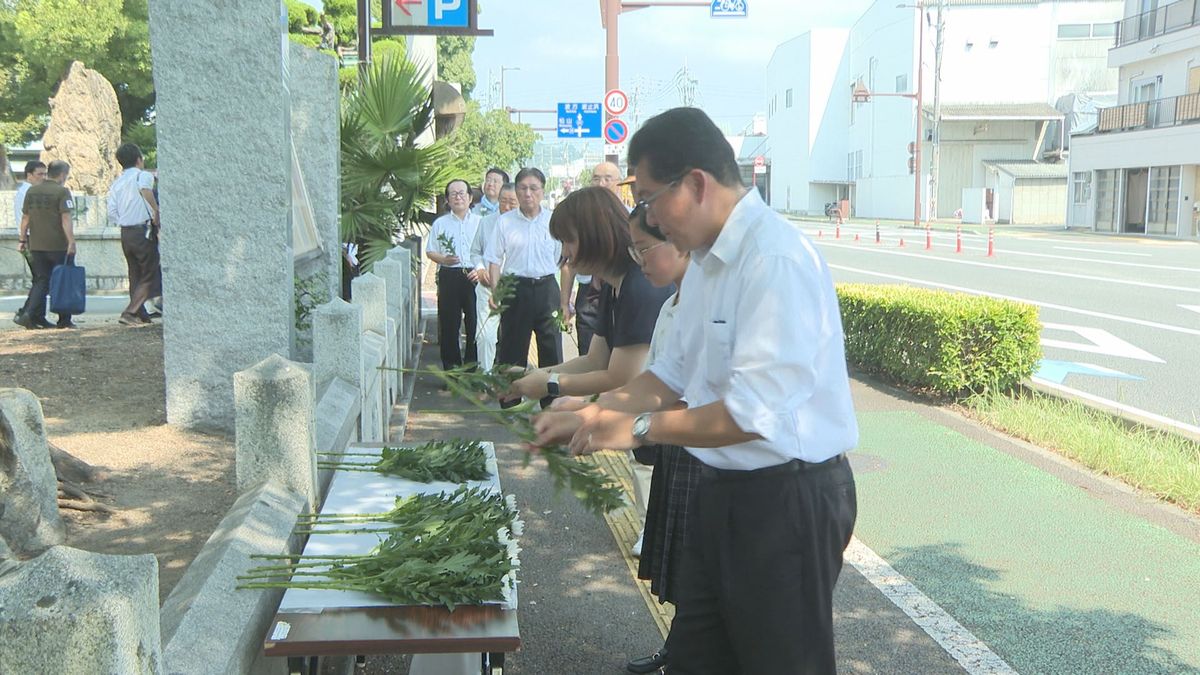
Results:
<point x="579" y="120"/>
<point x="615" y="131"/>
<point x="726" y="8"/>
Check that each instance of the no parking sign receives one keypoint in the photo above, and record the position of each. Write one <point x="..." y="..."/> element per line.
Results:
<point x="615" y="131"/>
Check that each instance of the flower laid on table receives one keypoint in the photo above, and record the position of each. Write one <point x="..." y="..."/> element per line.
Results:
<point x="453" y="461"/>
<point x="446" y="549"/>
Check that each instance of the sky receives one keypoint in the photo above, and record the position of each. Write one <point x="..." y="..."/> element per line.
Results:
<point x="559" y="47"/>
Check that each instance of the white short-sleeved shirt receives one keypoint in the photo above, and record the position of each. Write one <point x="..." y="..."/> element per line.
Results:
<point x="126" y="205"/>
<point x="18" y="202"/>
<point x="523" y="245"/>
<point x="483" y="235"/>
<point x="460" y="230"/>
<point x="758" y="328"/>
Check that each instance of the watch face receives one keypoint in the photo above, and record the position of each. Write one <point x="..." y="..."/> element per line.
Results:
<point x="641" y="426"/>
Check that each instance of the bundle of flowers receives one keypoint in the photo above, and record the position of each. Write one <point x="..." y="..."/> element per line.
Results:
<point x="452" y="461"/>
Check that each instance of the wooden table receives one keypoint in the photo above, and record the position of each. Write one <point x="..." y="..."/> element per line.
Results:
<point x="313" y="623"/>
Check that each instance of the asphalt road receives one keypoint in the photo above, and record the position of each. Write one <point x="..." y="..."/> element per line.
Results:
<point x="1121" y="315"/>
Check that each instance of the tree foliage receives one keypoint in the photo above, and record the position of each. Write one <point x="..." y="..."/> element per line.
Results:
<point x="40" y="38"/>
<point x="491" y="139"/>
<point x="454" y="61"/>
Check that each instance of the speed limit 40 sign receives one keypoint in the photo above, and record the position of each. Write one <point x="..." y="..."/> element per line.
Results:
<point x="616" y="102"/>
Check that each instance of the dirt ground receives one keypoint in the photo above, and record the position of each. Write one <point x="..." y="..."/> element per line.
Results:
<point x="102" y="394"/>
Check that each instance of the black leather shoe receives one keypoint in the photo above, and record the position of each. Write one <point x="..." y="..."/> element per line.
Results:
<point x="42" y="323"/>
<point x="25" y="322"/>
<point x="648" y="664"/>
<point x="69" y="324"/>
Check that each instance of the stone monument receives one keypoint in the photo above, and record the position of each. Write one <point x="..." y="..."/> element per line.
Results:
<point x="85" y="130"/>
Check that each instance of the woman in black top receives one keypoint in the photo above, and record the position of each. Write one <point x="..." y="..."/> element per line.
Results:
<point x="593" y="226"/>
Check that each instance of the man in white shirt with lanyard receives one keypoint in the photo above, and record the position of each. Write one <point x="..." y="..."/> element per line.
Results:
<point x="523" y="245"/>
<point x="449" y="245"/>
<point x="133" y="208"/>
<point x="488" y="325"/>
<point x="757" y="352"/>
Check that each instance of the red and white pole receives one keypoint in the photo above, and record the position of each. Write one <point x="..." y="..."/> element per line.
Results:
<point x="991" y="242"/>
<point x="928" y="237"/>
<point x="958" y="239"/>
<point x="876" y="230"/>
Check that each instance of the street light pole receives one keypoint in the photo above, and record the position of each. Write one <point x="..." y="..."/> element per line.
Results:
<point x="935" y="159"/>
<point x="502" y="69"/>
<point x="920" y="126"/>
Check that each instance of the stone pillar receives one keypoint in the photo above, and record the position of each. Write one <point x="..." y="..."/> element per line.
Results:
<point x="29" y="521"/>
<point x="337" y="344"/>
<point x="408" y="324"/>
<point x="275" y="438"/>
<point x="316" y="130"/>
<point x="224" y="158"/>
<point x="369" y="292"/>
<point x="393" y="276"/>
<point x="72" y="611"/>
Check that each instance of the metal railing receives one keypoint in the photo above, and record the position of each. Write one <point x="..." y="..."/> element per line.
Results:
<point x="1161" y="112"/>
<point x="1159" y="21"/>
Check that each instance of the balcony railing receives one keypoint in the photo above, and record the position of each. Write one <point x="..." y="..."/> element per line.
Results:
<point x="1159" y="21"/>
<point x="1161" y="112"/>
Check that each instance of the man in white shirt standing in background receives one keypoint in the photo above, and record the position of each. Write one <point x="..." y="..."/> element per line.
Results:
<point x="449" y="245"/>
<point x="488" y="325"/>
<point x="523" y="245"/>
<point x="133" y="208"/>
<point x="757" y="352"/>
<point x="489" y="203"/>
<point x="35" y="173"/>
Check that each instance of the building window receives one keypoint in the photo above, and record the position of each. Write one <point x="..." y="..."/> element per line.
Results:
<point x="1074" y="30"/>
<point x="850" y="166"/>
<point x="1163" y="200"/>
<point x="1106" y="200"/>
<point x="1105" y="30"/>
<point x="787" y="98"/>
<point x="1081" y="187"/>
<point x="902" y="84"/>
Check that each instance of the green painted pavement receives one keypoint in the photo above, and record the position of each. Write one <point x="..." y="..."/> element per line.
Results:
<point x="1051" y="578"/>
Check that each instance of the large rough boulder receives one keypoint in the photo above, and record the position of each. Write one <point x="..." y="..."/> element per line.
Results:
<point x="85" y="130"/>
<point x="29" y="520"/>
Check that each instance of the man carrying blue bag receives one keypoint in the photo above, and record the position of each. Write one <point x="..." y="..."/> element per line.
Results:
<point x="46" y="232"/>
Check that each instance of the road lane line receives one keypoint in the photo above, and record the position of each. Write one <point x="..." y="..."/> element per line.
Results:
<point x="1047" y="305"/>
<point x="1121" y="263"/>
<point x="1028" y="270"/>
<point x="969" y="651"/>
<point x="1154" y="417"/>
<point x="1098" y="250"/>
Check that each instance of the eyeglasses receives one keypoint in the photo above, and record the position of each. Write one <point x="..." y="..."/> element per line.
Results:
<point x="643" y="205"/>
<point x="639" y="254"/>
<point x="457" y="193"/>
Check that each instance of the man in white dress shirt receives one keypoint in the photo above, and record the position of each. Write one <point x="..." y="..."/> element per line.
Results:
<point x="489" y="201"/>
<point x="449" y="245"/>
<point x="488" y="325"/>
<point x="522" y="246"/>
<point x="757" y="353"/>
<point x="133" y="207"/>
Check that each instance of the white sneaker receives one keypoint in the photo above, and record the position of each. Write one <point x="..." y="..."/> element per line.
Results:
<point x="637" y="545"/>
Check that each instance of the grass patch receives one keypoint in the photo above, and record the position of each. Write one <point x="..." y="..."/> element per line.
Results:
<point x="1162" y="464"/>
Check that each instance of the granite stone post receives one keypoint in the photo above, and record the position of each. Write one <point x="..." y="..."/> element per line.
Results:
<point x="72" y="611"/>
<point x="337" y="344"/>
<point x="29" y="520"/>
<point x="224" y="158"/>
<point x="275" y="436"/>
<point x="369" y="291"/>
<point x="393" y="276"/>
<point x="408" y="324"/>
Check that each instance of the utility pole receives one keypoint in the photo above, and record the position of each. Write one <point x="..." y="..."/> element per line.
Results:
<point x="935" y="160"/>
<point x="502" y="70"/>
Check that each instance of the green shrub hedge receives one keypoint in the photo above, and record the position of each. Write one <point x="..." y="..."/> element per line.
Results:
<point x="940" y="343"/>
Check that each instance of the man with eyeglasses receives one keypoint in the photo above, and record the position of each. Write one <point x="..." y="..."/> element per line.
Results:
<point x="35" y="173"/>
<point x="757" y="353"/>
<point x="449" y="245"/>
<point x="522" y="246"/>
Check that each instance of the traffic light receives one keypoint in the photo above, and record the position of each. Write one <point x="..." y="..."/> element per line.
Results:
<point x="912" y="157"/>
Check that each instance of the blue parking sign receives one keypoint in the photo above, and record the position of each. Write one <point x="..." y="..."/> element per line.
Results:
<point x="579" y="120"/>
<point x="449" y="13"/>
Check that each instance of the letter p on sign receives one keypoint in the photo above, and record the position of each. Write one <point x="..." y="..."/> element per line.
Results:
<point x="441" y="8"/>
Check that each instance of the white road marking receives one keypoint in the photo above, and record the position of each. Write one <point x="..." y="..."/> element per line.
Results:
<point x="1027" y="270"/>
<point x="1098" y="250"/>
<point x="1047" y="305"/>
<point x="969" y="651"/>
<point x="1099" y="341"/>
<point x="1120" y="263"/>
<point x="1194" y="308"/>
<point x="1154" y="417"/>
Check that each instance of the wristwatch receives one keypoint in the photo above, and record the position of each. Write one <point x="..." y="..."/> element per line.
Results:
<point x="552" y="385"/>
<point x="641" y="427"/>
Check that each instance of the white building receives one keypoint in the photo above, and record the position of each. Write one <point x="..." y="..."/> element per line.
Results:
<point x="1138" y="172"/>
<point x="1005" y="63"/>
<point x="809" y="115"/>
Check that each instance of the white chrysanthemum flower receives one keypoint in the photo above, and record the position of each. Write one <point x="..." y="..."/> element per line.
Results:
<point x="502" y="536"/>
<point x="517" y="527"/>
<point x="511" y="502"/>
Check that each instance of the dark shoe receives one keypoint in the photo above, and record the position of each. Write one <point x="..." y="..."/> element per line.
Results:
<point x="648" y="664"/>
<point x="129" y="320"/>
<point x="43" y="323"/>
<point x="25" y="322"/>
<point x="154" y="315"/>
<point x="69" y="324"/>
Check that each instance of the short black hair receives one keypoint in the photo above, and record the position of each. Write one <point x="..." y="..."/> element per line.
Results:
<point x="508" y="187"/>
<point x="681" y="139"/>
<point x="33" y="165"/>
<point x="57" y="169"/>
<point x="499" y="172"/>
<point x="128" y="155"/>
<point x="531" y="171"/>
<point x="446" y="192"/>
<point x="644" y="226"/>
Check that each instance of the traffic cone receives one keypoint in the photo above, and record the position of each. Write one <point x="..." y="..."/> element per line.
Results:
<point x="901" y="242"/>
<point x="855" y="236"/>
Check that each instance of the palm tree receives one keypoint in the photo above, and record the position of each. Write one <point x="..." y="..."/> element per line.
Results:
<point x="386" y="178"/>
